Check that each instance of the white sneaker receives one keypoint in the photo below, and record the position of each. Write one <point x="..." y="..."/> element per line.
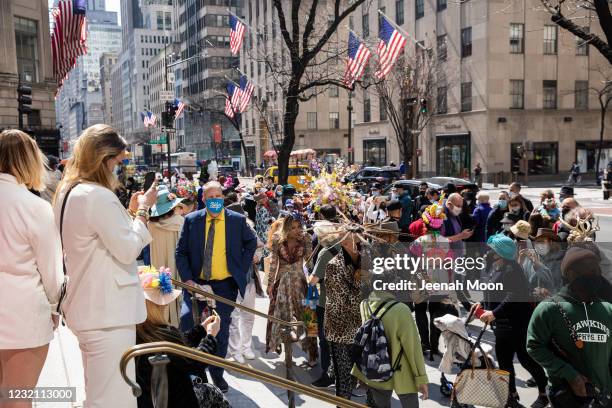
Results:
<point x="248" y="354"/>
<point x="238" y="358"/>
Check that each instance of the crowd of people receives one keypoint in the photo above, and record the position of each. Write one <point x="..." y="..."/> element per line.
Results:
<point x="101" y="255"/>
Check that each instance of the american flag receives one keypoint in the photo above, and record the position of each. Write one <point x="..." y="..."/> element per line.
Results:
<point x="148" y="119"/>
<point x="391" y="43"/>
<point x="236" y="34"/>
<point x="358" y="56"/>
<point x="180" y="106"/>
<point x="230" y="106"/>
<point x="246" y="90"/>
<point x="69" y="36"/>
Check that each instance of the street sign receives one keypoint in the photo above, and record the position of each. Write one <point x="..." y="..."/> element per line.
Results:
<point x="161" y="140"/>
<point x="166" y="96"/>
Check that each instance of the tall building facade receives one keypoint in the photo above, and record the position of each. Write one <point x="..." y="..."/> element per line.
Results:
<point x="147" y="29"/>
<point x="322" y="123"/>
<point x="107" y="61"/>
<point x="80" y="102"/>
<point x="203" y="33"/>
<point x="512" y="80"/>
<point x="26" y="55"/>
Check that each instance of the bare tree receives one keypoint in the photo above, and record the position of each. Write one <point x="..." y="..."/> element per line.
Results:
<point x="562" y="14"/>
<point x="407" y="95"/>
<point x="306" y="28"/>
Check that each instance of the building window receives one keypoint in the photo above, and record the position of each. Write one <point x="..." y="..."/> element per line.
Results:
<point x="466" y="96"/>
<point x="517" y="38"/>
<point x="545" y="158"/>
<point x="160" y="20"/>
<point x="333" y="91"/>
<point x="365" y="23"/>
<point x="466" y="42"/>
<point x="382" y="111"/>
<point x="375" y="152"/>
<point x="312" y="120"/>
<point x="582" y="46"/>
<point x="419" y="8"/>
<point x="442" y="47"/>
<point x="517" y="93"/>
<point x="399" y="12"/>
<point x="26" y="42"/>
<point x="442" y="106"/>
<point x="334" y="120"/>
<point x="367" y="115"/>
<point x="441" y="5"/>
<point x="550" y="39"/>
<point x="550" y="94"/>
<point x="582" y="94"/>
<point x="168" y="21"/>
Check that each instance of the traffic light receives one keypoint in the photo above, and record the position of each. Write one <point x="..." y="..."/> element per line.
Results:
<point x="423" y="103"/>
<point x="168" y="115"/>
<point x="24" y="98"/>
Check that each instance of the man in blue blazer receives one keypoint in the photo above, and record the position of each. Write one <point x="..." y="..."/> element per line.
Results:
<point x="215" y="251"/>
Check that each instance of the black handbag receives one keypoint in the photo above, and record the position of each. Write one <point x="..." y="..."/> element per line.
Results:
<point x="65" y="283"/>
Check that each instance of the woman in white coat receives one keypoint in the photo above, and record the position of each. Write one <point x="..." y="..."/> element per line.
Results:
<point x="104" y="300"/>
<point x="30" y="264"/>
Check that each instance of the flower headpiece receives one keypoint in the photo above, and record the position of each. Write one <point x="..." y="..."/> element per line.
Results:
<point x="151" y="278"/>
<point x="434" y="215"/>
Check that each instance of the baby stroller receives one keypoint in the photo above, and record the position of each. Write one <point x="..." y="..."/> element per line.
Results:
<point x="459" y="345"/>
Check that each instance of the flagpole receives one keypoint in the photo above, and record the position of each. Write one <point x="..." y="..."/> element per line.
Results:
<point x="402" y="31"/>
<point x="244" y="23"/>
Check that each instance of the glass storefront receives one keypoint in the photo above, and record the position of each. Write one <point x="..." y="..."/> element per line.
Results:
<point x="545" y="158"/>
<point x="586" y="155"/>
<point x="453" y="155"/>
<point x="375" y="152"/>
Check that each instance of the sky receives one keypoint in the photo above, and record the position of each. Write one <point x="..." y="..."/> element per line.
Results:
<point x="111" y="5"/>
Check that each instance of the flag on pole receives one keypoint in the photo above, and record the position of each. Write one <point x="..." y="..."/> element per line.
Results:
<point x="180" y="106"/>
<point x="391" y="43"/>
<point x="230" y="107"/>
<point x="148" y="119"/>
<point x="69" y="36"/>
<point x="236" y="34"/>
<point x="358" y="56"/>
<point x="246" y="90"/>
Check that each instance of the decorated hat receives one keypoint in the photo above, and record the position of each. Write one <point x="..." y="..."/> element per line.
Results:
<point x="503" y="246"/>
<point x="166" y="201"/>
<point x="521" y="229"/>
<point x="157" y="285"/>
<point x="434" y="215"/>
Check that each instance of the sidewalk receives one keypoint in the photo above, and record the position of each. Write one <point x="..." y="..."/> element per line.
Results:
<point x="64" y="368"/>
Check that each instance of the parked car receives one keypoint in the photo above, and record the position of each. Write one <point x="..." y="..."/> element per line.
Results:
<point x="226" y="170"/>
<point x="411" y="185"/>
<point x="370" y="175"/>
<point x="458" y="182"/>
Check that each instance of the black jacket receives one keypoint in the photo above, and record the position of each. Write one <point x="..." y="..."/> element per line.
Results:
<point x="180" y="369"/>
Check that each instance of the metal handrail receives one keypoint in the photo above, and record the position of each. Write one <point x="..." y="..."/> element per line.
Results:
<point x="188" y="352"/>
<point x="221" y="299"/>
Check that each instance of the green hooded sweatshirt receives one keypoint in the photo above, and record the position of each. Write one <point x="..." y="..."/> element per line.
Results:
<point x="401" y="332"/>
<point x="592" y="322"/>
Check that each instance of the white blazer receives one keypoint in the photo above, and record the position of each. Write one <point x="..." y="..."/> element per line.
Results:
<point x="101" y="243"/>
<point x="30" y="267"/>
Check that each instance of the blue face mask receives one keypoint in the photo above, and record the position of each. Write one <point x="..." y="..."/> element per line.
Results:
<point x="126" y="161"/>
<point x="214" y="205"/>
<point x="503" y="204"/>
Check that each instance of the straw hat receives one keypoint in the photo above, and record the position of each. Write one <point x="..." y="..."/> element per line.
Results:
<point x="521" y="229"/>
<point x="157" y="286"/>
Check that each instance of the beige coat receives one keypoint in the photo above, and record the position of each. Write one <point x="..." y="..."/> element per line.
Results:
<point x="165" y="235"/>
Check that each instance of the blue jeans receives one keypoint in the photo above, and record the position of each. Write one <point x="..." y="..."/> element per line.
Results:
<point x="226" y="288"/>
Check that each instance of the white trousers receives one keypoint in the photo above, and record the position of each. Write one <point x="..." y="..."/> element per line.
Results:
<point x="102" y="351"/>
<point x="241" y="329"/>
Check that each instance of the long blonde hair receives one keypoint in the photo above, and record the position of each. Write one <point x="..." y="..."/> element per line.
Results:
<point x="21" y="158"/>
<point x="148" y="331"/>
<point x="96" y="145"/>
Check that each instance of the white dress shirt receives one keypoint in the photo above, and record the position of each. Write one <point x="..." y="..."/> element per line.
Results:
<point x="30" y="267"/>
<point x="101" y="243"/>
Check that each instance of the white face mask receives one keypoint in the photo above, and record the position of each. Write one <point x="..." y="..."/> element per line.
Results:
<point x="542" y="248"/>
<point x="515" y="210"/>
<point x="456" y="211"/>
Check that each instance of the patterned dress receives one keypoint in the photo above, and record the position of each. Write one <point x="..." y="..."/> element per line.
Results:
<point x="262" y="225"/>
<point x="287" y="288"/>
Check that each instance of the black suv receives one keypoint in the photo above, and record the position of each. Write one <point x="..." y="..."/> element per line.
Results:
<point x="367" y="176"/>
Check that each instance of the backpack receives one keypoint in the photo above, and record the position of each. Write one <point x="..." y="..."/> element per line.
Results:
<point x="371" y="351"/>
